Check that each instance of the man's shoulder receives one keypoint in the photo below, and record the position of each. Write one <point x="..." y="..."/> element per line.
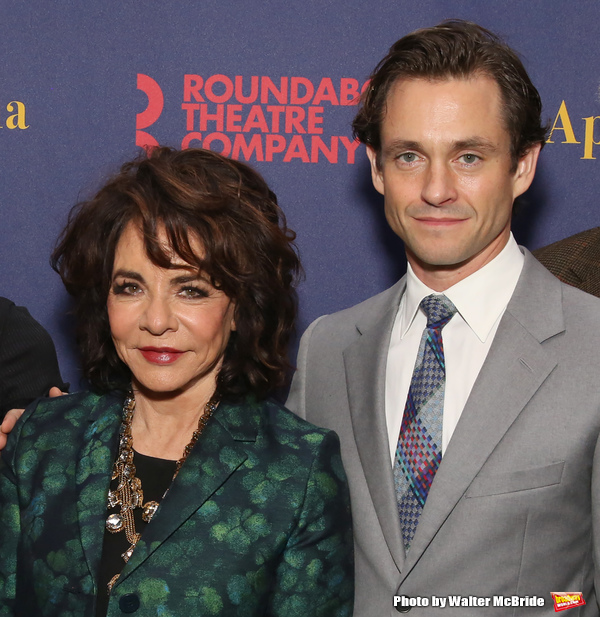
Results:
<point x="580" y="303"/>
<point x="538" y="280"/>
<point x="546" y="306"/>
<point x="364" y="314"/>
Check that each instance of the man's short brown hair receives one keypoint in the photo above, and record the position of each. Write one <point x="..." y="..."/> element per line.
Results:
<point x="455" y="49"/>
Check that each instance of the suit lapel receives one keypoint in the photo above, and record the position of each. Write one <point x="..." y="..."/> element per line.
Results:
<point x="92" y="478"/>
<point x="365" y="364"/>
<point x="516" y="366"/>
<point x="204" y="472"/>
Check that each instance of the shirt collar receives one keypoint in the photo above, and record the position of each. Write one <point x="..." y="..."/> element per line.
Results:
<point x="481" y="298"/>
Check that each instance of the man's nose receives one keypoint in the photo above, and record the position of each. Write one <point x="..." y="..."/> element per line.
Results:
<point x="439" y="186"/>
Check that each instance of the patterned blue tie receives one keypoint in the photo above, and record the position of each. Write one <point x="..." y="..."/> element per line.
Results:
<point x="419" y="450"/>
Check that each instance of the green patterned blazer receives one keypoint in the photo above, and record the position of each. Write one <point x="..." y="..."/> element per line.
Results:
<point x="256" y="523"/>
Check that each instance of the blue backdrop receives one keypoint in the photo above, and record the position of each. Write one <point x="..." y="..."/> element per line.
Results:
<point x="270" y="82"/>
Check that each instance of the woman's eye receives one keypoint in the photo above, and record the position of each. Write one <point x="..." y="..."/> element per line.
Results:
<point x="125" y="288"/>
<point x="193" y="292"/>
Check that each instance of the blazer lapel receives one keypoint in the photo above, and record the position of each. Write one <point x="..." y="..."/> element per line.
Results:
<point x="92" y="478"/>
<point x="516" y="366"/>
<point x="204" y="472"/>
<point x="365" y="364"/>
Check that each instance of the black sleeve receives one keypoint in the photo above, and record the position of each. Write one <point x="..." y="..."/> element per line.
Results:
<point x="28" y="363"/>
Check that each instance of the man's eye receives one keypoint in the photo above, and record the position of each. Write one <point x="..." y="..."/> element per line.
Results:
<point x="408" y="157"/>
<point x="469" y="158"/>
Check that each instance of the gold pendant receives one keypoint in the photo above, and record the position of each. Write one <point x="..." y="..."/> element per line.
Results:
<point x="149" y="510"/>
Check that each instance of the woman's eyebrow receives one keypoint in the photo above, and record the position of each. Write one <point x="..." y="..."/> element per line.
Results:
<point x="188" y="278"/>
<point x="129" y="274"/>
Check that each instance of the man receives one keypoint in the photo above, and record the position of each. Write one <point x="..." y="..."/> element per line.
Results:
<point x="575" y="260"/>
<point x="465" y="396"/>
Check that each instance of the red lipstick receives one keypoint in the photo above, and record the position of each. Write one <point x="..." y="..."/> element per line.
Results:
<point x="160" y="355"/>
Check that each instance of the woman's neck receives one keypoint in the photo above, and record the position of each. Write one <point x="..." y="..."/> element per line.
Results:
<point x="163" y="425"/>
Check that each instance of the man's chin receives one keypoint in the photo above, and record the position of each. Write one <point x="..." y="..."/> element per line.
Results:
<point x="439" y="259"/>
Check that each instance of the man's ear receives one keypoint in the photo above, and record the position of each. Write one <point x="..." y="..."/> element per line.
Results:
<point x="526" y="170"/>
<point x="376" y="174"/>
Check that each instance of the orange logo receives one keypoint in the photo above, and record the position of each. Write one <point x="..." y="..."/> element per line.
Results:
<point x="567" y="599"/>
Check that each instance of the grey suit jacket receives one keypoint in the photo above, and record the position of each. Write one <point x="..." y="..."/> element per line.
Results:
<point x="510" y="511"/>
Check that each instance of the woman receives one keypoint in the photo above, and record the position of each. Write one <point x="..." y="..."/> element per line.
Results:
<point x="176" y="487"/>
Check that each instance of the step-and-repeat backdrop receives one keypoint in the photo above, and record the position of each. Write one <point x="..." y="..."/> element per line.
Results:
<point x="84" y="85"/>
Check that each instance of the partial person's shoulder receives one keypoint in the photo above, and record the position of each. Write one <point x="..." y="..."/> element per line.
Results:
<point x="568" y="247"/>
<point x="5" y="305"/>
<point x="575" y="260"/>
<point x="17" y="316"/>
<point x="6" y="309"/>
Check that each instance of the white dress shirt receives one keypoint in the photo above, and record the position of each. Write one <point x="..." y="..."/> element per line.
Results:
<point x="481" y="300"/>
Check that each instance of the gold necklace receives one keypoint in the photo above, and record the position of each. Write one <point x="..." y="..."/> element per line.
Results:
<point x="129" y="494"/>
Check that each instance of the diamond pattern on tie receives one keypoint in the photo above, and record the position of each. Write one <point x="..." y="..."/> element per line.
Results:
<point x="419" y="449"/>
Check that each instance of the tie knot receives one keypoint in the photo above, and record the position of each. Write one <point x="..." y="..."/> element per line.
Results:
<point x="439" y="310"/>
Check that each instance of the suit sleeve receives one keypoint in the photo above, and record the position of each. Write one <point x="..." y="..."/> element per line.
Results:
<point x="28" y="363"/>
<point x="316" y="574"/>
<point x="596" y="519"/>
<point x="296" y="400"/>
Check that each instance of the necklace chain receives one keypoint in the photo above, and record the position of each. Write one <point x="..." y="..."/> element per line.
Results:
<point x="129" y="494"/>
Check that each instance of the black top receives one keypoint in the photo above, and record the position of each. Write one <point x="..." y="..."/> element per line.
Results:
<point x="156" y="475"/>
<point x="28" y="364"/>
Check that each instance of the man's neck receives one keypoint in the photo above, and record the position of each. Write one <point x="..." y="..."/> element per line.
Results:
<point x="442" y="277"/>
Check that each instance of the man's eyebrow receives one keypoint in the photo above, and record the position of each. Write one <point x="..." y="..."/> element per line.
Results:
<point x="472" y="143"/>
<point x="475" y="143"/>
<point x="398" y="145"/>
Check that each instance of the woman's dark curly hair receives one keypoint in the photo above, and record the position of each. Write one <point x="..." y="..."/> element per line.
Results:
<point x="248" y="252"/>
